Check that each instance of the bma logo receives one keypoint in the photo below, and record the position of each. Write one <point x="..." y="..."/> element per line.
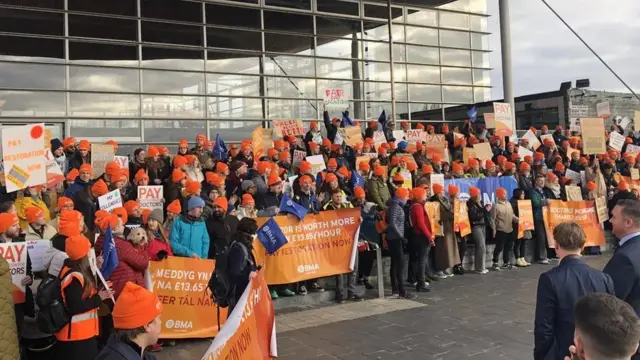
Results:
<point x="178" y="324"/>
<point x="289" y="203"/>
<point x="308" y="268"/>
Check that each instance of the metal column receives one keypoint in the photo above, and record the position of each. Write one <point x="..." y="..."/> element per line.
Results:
<point x="391" y="64"/>
<point x="505" y="42"/>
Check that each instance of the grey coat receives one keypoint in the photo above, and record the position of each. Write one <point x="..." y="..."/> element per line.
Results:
<point x="395" y="219"/>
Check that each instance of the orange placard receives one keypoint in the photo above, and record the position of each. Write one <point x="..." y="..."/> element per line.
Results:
<point x="250" y="330"/>
<point x="181" y="285"/>
<point x="461" y="222"/>
<point x="581" y="212"/>
<point x="525" y="216"/>
<point x="435" y="144"/>
<point x="433" y="212"/>
<point x="261" y="141"/>
<point x="320" y="245"/>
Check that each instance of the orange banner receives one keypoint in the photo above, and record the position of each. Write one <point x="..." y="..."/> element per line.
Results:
<point x="320" y="245"/>
<point x="525" y="214"/>
<point x="461" y="218"/>
<point x="250" y="331"/>
<point x="181" y="285"/>
<point x="581" y="212"/>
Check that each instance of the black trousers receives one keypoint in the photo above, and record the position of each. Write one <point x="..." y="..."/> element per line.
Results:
<point x="541" y="240"/>
<point x="411" y="249"/>
<point x="462" y="247"/>
<point x="421" y="247"/>
<point x="397" y="266"/>
<point x="519" y="245"/>
<point x="76" y="350"/>
<point x="365" y="264"/>
<point x="504" y="241"/>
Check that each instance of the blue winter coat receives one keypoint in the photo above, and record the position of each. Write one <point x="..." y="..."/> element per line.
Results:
<point x="189" y="237"/>
<point x="77" y="186"/>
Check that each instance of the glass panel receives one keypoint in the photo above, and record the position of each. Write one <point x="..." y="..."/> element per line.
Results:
<point x="171" y="33"/>
<point x="102" y="54"/>
<point x="31" y="76"/>
<point x="455" y="57"/>
<point x="454" y="20"/>
<point x="422" y="17"/>
<point x="427" y="74"/>
<point x="221" y="107"/>
<point x="478" y="6"/>
<point x="169" y="82"/>
<point x="400" y="72"/>
<point x="337" y="27"/>
<point x="234" y="39"/>
<point x="31" y="22"/>
<point x="290" y="66"/>
<point x="234" y="63"/>
<point x="422" y="36"/>
<point x="423" y="55"/>
<point x="430" y="93"/>
<point x="290" y="22"/>
<point x="290" y="87"/>
<point x="176" y="59"/>
<point x="175" y="10"/>
<point x="481" y="94"/>
<point x="482" y="77"/>
<point x="479" y="41"/>
<point x="291" y="109"/>
<point x="480" y="59"/>
<point x="102" y="130"/>
<point x="375" y="108"/>
<point x="172" y="130"/>
<point x="87" y="78"/>
<point x="294" y="44"/>
<point x="416" y="108"/>
<point x="382" y="91"/>
<point x="330" y="68"/>
<point x="228" y="84"/>
<point x="380" y="31"/>
<point x="339" y="7"/>
<point x="454" y="39"/>
<point x="377" y="71"/>
<point x="48" y="4"/>
<point x="233" y="131"/>
<point x="336" y="48"/>
<point x="32" y="103"/>
<point x="478" y="23"/>
<point x="457" y="94"/>
<point x="173" y="106"/>
<point x="31" y="49"/>
<point x="103" y="27"/>
<point x="104" y="105"/>
<point x="218" y="14"/>
<point x="120" y="7"/>
<point x="380" y="51"/>
<point x="456" y="76"/>
<point x="381" y="12"/>
<point x="460" y="5"/>
<point x="295" y="4"/>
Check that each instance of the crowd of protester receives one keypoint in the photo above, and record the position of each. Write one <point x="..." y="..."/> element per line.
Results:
<point x="208" y="193"/>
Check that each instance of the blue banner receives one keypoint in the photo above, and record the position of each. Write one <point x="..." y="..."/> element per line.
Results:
<point x="487" y="186"/>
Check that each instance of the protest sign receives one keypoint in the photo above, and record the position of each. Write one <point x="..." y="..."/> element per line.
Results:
<point x="581" y="212"/>
<point x="336" y="98"/>
<point x="547" y="136"/>
<point x="100" y="156"/>
<point x="351" y="135"/>
<point x="298" y="156"/>
<point x="249" y="332"/>
<point x="122" y="161"/>
<point x="633" y="149"/>
<point x="360" y="159"/>
<point x="490" y="120"/>
<point x="110" y="201"/>
<point x="261" y="141"/>
<point x="433" y="212"/>
<point x="487" y="186"/>
<point x="436" y="179"/>
<point x="461" y="222"/>
<point x="483" y="151"/>
<point x="408" y="183"/>
<point x="468" y="153"/>
<point x="23" y="156"/>
<point x="574" y="176"/>
<point x="398" y="135"/>
<point x="573" y="193"/>
<point x="504" y="119"/>
<point x="578" y="111"/>
<point x="151" y="197"/>
<point x="635" y="174"/>
<point x="54" y="173"/>
<point x="415" y="136"/>
<point x="574" y="124"/>
<point x="187" y="310"/>
<point x="435" y="145"/>
<point x="624" y="122"/>
<point x="320" y="245"/>
<point x="525" y="217"/>
<point x="604" y="109"/>
<point x="532" y="139"/>
<point x="317" y="163"/>
<point x="291" y="127"/>
<point x="523" y="151"/>
<point x="379" y="138"/>
<point x="593" y="136"/>
<point x="616" y="141"/>
<point x="36" y="250"/>
<point x="601" y="209"/>
<point x="16" y="256"/>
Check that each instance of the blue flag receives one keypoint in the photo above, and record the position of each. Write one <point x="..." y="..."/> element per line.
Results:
<point x="289" y="206"/>
<point x="356" y="179"/>
<point x="271" y="236"/>
<point x="473" y="114"/>
<point x="220" y="150"/>
<point x="346" y="120"/>
<point x="109" y="254"/>
<point x="382" y="119"/>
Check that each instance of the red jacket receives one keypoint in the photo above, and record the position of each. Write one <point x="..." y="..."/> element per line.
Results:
<point x="132" y="262"/>
<point x="420" y="221"/>
<point x="155" y="246"/>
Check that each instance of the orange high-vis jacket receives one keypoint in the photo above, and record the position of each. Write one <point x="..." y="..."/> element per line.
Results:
<point x="81" y="326"/>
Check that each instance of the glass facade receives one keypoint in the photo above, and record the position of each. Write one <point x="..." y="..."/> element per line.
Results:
<point x="156" y="71"/>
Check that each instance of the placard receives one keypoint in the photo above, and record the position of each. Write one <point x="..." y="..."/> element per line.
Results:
<point x="525" y="217"/>
<point x="36" y="250"/>
<point x="398" y="135"/>
<point x="468" y="153"/>
<point x="110" y="200"/>
<point x="578" y="111"/>
<point x="336" y="98"/>
<point x="581" y="212"/>
<point x="634" y="149"/>
<point x="593" y="136"/>
<point x="574" y="125"/>
<point x="523" y="151"/>
<point x="532" y="139"/>
<point x="601" y="209"/>
<point x="574" y="176"/>
<point x="504" y="119"/>
<point x="490" y="120"/>
<point x="433" y="212"/>
<point x="317" y="163"/>
<point x="461" y="222"/>
<point x="573" y="193"/>
<point x="436" y="179"/>
<point x="624" y="122"/>
<point x="408" y="182"/>
<point x="351" y="135"/>
<point x="16" y="256"/>
<point x="151" y="197"/>
<point x="54" y="173"/>
<point x="604" y="110"/>
<point x="435" y="144"/>
<point x="122" y="161"/>
<point x="616" y="141"/>
<point x="483" y="151"/>
<point x="291" y="127"/>
<point x="415" y="135"/>
<point x="379" y="138"/>
<point x="23" y="155"/>
<point x="262" y="140"/>
<point x="583" y="177"/>
<point x="547" y="136"/>
<point x="100" y="156"/>
<point x="635" y="174"/>
<point x="298" y="156"/>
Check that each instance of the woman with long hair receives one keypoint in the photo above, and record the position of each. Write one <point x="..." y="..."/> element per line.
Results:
<point x="159" y="247"/>
<point x="156" y="167"/>
<point x="82" y="298"/>
<point x="138" y="162"/>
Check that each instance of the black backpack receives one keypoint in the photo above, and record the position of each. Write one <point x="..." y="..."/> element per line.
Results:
<point x="221" y="287"/>
<point x="52" y="315"/>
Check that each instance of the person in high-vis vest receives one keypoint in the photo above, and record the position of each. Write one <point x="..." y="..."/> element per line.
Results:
<point x="77" y="340"/>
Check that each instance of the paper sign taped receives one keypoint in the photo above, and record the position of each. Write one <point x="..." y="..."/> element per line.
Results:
<point x="110" y="200"/>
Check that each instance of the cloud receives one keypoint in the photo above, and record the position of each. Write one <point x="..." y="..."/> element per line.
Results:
<point x="545" y="53"/>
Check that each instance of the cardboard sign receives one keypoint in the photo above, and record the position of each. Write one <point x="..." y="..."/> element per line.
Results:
<point x="433" y="212"/>
<point x="54" y="173"/>
<point x="483" y="151"/>
<point x="616" y="141"/>
<point x="291" y="127"/>
<point x="262" y="140"/>
<point x="581" y="212"/>
<point x="435" y="144"/>
<point x="624" y="122"/>
<point x="635" y="174"/>
<point x="110" y="201"/>
<point x="23" y="155"/>
<point x="408" y="182"/>
<point x="547" y="136"/>
<point x="461" y="222"/>
<point x="468" y="153"/>
<point x="532" y="139"/>
<point x="634" y="149"/>
<point x="522" y="151"/>
<point x="593" y="136"/>
<point x="578" y="111"/>
<point x="298" y="156"/>
<point x="317" y="163"/>
<point x="336" y="98"/>
<point x="150" y="197"/>
<point x="415" y="136"/>
<point x="360" y="159"/>
<point x="574" y="176"/>
<point x="100" y="156"/>
<point x="601" y="209"/>
<point x="604" y="109"/>
<point x="16" y="256"/>
<point x="122" y="161"/>
<point x="379" y="138"/>
<point x="573" y="193"/>
<point x="525" y="217"/>
<point x="490" y="120"/>
<point x="504" y="119"/>
<point x="351" y="135"/>
<point x="436" y="179"/>
<point x="36" y="250"/>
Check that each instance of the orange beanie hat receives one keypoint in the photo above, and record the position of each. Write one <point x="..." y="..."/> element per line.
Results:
<point x="222" y="202"/>
<point x="221" y="167"/>
<point x="64" y="201"/>
<point x="85" y="167"/>
<point x="99" y="188"/>
<point x="77" y="247"/>
<point x="141" y="175"/>
<point x="192" y="187"/>
<point x="130" y="206"/>
<point x="69" y="223"/>
<point x="73" y="174"/>
<point x="145" y="215"/>
<point x="474" y="191"/>
<point x="111" y="168"/>
<point x="7" y="220"/>
<point x="364" y="166"/>
<point x="438" y="188"/>
<point x="418" y="193"/>
<point x="153" y="152"/>
<point x="502" y="193"/>
<point x="378" y="171"/>
<point x="402" y="193"/>
<point x="174" y="207"/>
<point x="623" y="186"/>
<point x="247" y="199"/>
<point x="99" y="216"/>
<point x="179" y="161"/>
<point x="109" y="220"/>
<point x="358" y="192"/>
<point x="135" y="307"/>
<point x="33" y="213"/>
<point x="177" y="175"/>
<point x="84" y="145"/>
<point x="591" y="186"/>
<point x="453" y="190"/>
<point x="331" y="177"/>
<point x="305" y="167"/>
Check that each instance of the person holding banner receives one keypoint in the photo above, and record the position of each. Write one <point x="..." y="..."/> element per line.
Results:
<point x="519" y="243"/>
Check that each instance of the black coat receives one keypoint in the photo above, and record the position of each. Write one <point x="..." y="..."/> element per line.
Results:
<point x="76" y="160"/>
<point x="221" y="231"/>
<point x="625" y="273"/>
<point x="268" y="200"/>
<point x="119" y="350"/>
<point x="477" y="213"/>
<point x="87" y="205"/>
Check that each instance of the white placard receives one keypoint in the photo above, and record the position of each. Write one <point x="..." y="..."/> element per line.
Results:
<point x="54" y="173"/>
<point x="150" y="197"/>
<point x="379" y="138"/>
<point x="616" y="141"/>
<point x="23" y="155"/>
<point x="574" y="176"/>
<point x="398" y="135"/>
<point x="624" y="122"/>
<point x="288" y="186"/>
<point x="122" y="161"/>
<point x="36" y="250"/>
<point x="532" y="139"/>
<point x="415" y="135"/>
<point x="317" y="163"/>
<point x="632" y="149"/>
<point x="298" y="156"/>
<point x="110" y="200"/>
<point x="547" y="136"/>
<point x="579" y="111"/>
<point x="583" y="178"/>
<point x="604" y="109"/>
<point x="336" y="98"/>
<point x="522" y="151"/>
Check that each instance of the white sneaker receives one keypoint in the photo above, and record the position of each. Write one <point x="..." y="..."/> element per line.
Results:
<point x="482" y="272"/>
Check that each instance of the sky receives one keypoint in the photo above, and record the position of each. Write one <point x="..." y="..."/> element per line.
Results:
<point x="545" y="53"/>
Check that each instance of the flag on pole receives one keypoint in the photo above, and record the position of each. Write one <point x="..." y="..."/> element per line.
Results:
<point x="220" y="150"/>
<point x="109" y="254"/>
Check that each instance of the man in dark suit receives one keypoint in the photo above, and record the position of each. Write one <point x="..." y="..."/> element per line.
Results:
<point x="558" y="291"/>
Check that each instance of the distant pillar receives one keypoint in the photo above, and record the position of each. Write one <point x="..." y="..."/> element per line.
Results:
<point x="505" y="42"/>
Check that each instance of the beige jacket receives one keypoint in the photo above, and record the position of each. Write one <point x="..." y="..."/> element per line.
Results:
<point x="49" y="232"/>
<point x="8" y="331"/>
<point x="502" y="217"/>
